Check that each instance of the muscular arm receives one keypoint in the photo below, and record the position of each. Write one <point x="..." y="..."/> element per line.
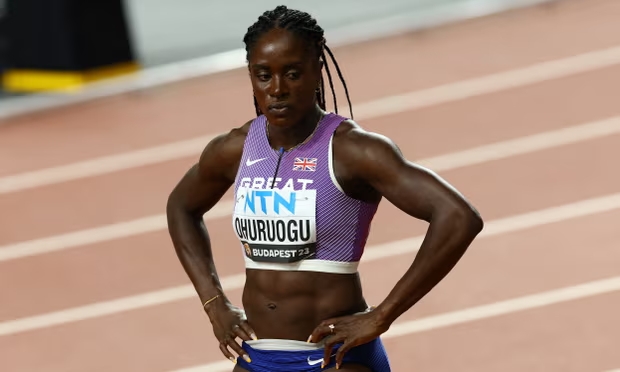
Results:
<point x="196" y="193"/>
<point x="454" y="222"/>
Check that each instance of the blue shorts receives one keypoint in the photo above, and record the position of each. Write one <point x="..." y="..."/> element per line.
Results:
<point x="298" y="356"/>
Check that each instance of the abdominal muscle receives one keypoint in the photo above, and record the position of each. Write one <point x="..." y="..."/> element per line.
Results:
<point x="290" y="304"/>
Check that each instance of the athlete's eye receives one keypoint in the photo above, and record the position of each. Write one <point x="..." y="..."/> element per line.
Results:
<point x="293" y="75"/>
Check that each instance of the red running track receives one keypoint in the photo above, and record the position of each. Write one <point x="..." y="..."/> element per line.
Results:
<point x="537" y="292"/>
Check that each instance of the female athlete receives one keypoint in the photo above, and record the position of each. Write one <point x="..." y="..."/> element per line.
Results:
<point x="307" y="184"/>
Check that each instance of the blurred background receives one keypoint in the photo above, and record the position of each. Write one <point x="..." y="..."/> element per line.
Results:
<point x="105" y="104"/>
<point x="76" y="38"/>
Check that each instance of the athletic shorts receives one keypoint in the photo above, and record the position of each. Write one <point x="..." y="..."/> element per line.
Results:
<point x="272" y="355"/>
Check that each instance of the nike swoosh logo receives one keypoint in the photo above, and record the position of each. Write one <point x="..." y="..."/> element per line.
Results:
<point x="313" y="362"/>
<point x="251" y="162"/>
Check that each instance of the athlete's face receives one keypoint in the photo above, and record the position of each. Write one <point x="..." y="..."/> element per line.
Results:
<point x="285" y="74"/>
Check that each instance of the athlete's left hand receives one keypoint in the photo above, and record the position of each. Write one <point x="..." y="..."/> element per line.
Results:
<point x="351" y="331"/>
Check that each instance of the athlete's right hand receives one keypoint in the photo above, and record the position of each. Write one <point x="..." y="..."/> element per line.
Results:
<point x="230" y="322"/>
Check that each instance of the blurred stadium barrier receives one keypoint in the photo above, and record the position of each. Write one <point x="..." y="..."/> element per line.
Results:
<point x="60" y="45"/>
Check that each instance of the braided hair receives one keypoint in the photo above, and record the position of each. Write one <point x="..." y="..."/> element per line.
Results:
<point x="302" y="24"/>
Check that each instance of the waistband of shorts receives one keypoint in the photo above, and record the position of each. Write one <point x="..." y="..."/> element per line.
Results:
<point x="289" y="345"/>
<point x="283" y="345"/>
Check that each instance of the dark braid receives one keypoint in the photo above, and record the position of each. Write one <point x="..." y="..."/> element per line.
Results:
<point x="304" y="25"/>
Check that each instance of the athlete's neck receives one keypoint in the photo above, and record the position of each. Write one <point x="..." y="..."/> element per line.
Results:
<point x="293" y="136"/>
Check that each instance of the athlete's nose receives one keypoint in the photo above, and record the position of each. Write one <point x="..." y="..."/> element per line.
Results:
<point x="278" y="86"/>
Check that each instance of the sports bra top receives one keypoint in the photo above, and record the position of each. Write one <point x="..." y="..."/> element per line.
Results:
<point x="290" y="213"/>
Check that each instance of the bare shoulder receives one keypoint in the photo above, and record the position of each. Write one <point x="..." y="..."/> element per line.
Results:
<point x="372" y="161"/>
<point x="360" y="150"/>
<point x="375" y="161"/>
<point x="351" y="134"/>
<point x="208" y="179"/>
<point x="222" y="154"/>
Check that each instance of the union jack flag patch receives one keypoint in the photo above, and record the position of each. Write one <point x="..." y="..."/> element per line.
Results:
<point x="304" y="164"/>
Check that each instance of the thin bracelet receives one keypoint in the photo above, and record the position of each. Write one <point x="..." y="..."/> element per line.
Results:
<point x="210" y="300"/>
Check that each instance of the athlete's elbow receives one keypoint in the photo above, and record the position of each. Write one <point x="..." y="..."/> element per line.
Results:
<point x="173" y="203"/>
<point x="175" y="207"/>
<point x="174" y="211"/>
<point x="466" y="219"/>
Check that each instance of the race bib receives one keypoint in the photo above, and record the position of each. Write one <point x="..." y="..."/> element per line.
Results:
<point x="276" y="225"/>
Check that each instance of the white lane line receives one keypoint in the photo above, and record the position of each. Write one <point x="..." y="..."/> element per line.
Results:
<point x="524" y="145"/>
<point x="473" y="156"/>
<point x="384" y="106"/>
<point x="493" y="83"/>
<point x="99" y="234"/>
<point x="103" y="165"/>
<point x="472" y="314"/>
<point x="492" y="228"/>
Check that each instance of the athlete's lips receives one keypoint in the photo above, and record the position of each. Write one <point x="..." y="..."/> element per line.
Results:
<point x="279" y="107"/>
